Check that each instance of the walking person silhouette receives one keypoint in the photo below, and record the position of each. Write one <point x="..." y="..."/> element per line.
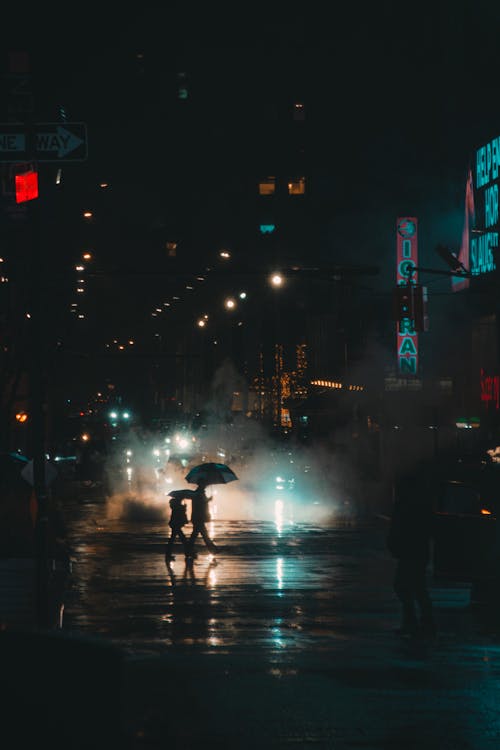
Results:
<point x="200" y="514"/>
<point x="409" y="543"/>
<point x="178" y="519"/>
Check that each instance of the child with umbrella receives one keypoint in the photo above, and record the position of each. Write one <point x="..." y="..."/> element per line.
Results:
<point x="178" y="519"/>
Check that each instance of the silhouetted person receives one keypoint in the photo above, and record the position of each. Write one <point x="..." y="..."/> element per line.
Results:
<point x="409" y="542"/>
<point x="178" y="519"/>
<point x="200" y="514"/>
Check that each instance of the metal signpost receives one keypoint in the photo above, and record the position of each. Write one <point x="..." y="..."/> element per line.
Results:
<point x="31" y="142"/>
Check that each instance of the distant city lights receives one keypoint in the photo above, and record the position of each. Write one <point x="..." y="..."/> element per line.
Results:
<point x="335" y="384"/>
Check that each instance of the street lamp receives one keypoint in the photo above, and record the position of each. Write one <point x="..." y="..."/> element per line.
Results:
<point x="276" y="279"/>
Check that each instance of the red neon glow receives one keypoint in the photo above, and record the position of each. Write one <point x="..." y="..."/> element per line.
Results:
<point x="490" y="388"/>
<point x="26" y="186"/>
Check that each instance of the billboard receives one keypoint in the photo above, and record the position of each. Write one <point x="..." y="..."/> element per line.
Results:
<point x="479" y="247"/>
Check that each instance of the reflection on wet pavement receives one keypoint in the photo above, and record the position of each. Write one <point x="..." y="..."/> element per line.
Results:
<point x="290" y="630"/>
<point x="273" y="586"/>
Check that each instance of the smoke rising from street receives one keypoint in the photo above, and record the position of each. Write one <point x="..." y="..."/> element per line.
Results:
<point x="289" y="482"/>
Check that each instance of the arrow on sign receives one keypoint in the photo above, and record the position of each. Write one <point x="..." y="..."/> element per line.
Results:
<point x="61" y="141"/>
<point x="44" y="141"/>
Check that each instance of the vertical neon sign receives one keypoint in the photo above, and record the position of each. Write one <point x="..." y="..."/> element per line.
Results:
<point x="407" y="257"/>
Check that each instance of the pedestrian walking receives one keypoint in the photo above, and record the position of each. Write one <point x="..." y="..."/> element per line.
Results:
<point x="178" y="519"/>
<point x="409" y="543"/>
<point x="200" y="514"/>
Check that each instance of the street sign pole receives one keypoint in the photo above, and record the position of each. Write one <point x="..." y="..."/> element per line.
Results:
<point x="34" y="142"/>
<point x="38" y="417"/>
<point x="23" y="132"/>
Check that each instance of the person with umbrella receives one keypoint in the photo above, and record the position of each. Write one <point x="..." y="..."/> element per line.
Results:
<point x="200" y="514"/>
<point x="204" y="475"/>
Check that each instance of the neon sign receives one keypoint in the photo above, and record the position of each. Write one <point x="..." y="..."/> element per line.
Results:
<point x="490" y="389"/>
<point x="406" y="262"/>
<point x="484" y="239"/>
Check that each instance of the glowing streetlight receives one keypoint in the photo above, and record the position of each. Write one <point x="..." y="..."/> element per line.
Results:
<point x="277" y="279"/>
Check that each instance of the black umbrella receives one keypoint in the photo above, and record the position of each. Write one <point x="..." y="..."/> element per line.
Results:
<point x="211" y="473"/>
<point x="181" y="494"/>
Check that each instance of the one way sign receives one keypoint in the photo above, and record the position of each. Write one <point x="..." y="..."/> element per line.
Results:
<point x="49" y="141"/>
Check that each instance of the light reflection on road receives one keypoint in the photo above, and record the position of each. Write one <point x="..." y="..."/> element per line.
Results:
<point x="272" y="585"/>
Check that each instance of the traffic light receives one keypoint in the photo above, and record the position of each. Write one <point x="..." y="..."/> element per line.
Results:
<point x="420" y="318"/>
<point x="403" y="305"/>
<point x="410" y="307"/>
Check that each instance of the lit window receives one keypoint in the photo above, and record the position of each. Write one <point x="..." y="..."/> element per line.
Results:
<point x="267" y="186"/>
<point x="299" y="111"/>
<point x="171" y="248"/>
<point x="297" y="187"/>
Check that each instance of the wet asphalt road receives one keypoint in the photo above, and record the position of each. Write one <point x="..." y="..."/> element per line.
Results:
<point x="286" y="640"/>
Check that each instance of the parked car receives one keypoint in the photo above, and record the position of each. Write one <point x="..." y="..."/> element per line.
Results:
<point x="466" y="546"/>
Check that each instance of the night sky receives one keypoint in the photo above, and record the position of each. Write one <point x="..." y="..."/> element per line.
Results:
<point x="400" y="95"/>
